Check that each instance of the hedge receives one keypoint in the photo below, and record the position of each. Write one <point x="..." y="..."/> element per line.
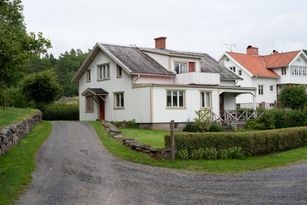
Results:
<point x="61" y="111"/>
<point x="251" y="143"/>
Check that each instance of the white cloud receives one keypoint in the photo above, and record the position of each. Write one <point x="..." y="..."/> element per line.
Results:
<point x="189" y="25"/>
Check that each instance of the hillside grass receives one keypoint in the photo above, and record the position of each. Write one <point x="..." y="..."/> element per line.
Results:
<point x="18" y="163"/>
<point x="11" y="115"/>
<point x="213" y="166"/>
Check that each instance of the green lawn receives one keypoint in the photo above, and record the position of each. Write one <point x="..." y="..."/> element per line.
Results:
<point x="215" y="166"/>
<point x="155" y="138"/>
<point x="17" y="164"/>
<point x="11" y="115"/>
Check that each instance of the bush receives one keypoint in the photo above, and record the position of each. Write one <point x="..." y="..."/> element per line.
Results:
<point x="183" y="154"/>
<point x="125" y="124"/>
<point x="241" y="144"/>
<point x="61" y="111"/>
<point x="210" y="153"/>
<point x="198" y="154"/>
<point x="277" y="118"/>
<point x="215" y="127"/>
<point x="293" y="97"/>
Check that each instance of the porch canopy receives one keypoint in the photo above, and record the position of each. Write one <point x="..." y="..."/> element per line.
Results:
<point x="96" y="93"/>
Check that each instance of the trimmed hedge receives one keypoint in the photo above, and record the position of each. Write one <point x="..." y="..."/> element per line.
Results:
<point x="61" y="111"/>
<point x="251" y="143"/>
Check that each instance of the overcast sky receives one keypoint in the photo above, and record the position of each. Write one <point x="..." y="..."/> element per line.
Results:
<point x="189" y="25"/>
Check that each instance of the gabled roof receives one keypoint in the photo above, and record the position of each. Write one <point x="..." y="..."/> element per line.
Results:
<point x="207" y="63"/>
<point x="136" y="60"/>
<point x="131" y="59"/>
<point x="261" y="65"/>
<point x="278" y="60"/>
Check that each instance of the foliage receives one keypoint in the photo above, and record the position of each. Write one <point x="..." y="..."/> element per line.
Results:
<point x="210" y="153"/>
<point x="17" y="45"/>
<point x="65" y="68"/>
<point x="202" y="123"/>
<point x="294" y="97"/>
<point x="183" y="154"/>
<point x="278" y="118"/>
<point x="252" y="143"/>
<point x="61" y="111"/>
<point x="198" y="153"/>
<point x="125" y="124"/>
<point x="41" y="87"/>
<point x="215" y="166"/>
<point x="231" y="153"/>
<point x="18" y="163"/>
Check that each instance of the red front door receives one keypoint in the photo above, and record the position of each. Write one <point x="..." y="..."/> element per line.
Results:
<point x="102" y="111"/>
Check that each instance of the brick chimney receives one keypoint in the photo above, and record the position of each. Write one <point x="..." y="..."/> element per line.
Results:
<point x="160" y="42"/>
<point x="250" y="50"/>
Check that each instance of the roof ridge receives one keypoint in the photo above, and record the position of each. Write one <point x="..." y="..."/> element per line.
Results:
<point x="117" y="45"/>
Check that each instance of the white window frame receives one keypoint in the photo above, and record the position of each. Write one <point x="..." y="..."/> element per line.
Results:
<point x="88" y="75"/>
<point x="119" y="71"/>
<point x="206" y="103"/>
<point x="183" y="67"/>
<point x="233" y="68"/>
<point x="103" y="71"/>
<point x="119" y="100"/>
<point x="260" y="89"/>
<point x="175" y="94"/>
<point x="283" y="70"/>
<point x="240" y="72"/>
<point x="271" y="88"/>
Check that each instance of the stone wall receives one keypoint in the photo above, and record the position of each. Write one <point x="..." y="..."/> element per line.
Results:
<point x="12" y="134"/>
<point x="163" y="153"/>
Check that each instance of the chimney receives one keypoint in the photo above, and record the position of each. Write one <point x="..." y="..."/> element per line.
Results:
<point x="275" y="52"/>
<point x="250" y="50"/>
<point x="160" y="42"/>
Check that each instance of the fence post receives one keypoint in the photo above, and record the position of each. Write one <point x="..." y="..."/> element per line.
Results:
<point x="172" y="140"/>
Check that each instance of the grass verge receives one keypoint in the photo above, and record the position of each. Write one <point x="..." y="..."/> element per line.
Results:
<point x="11" y="115"/>
<point x="213" y="166"/>
<point x="155" y="138"/>
<point x="18" y="163"/>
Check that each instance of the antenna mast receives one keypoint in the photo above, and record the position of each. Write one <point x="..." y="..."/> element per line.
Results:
<point x="229" y="46"/>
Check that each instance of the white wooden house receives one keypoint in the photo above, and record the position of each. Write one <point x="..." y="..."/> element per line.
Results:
<point x="153" y="85"/>
<point x="267" y="73"/>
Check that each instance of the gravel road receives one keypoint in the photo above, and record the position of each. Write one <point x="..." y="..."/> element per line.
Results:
<point x="74" y="168"/>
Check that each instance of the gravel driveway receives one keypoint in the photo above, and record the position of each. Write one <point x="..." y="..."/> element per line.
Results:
<point x="74" y="168"/>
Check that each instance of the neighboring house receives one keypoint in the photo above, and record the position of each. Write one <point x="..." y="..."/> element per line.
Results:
<point x="267" y="73"/>
<point x="153" y="85"/>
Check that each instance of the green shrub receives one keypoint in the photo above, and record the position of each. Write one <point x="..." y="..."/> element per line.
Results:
<point x="203" y="127"/>
<point x="61" y="111"/>
<point x="198" y="154"/>
<point x="183" y="154"/>
<point x="240" y="144"/>
<point x="210" y="153"/>
<point x="125" y="124"/>
<point x="278" y="118"/>
<point x="232" y="153"/>
<point x="215" y="127"/>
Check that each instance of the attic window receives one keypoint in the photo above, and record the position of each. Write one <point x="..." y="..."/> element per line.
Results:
<point x="227" y="59"/>
<point x="119" y="71"/>
<point x="233" y="68"/>
<point x="88" y="76"/>
<point x="240" y="72"/>
<point x="181" y="67"/>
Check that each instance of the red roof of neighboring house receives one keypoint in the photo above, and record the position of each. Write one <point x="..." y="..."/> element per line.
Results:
<point x="260" y="65"/>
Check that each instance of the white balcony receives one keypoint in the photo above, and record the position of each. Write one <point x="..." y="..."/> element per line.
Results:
<point x="200" y="78"/>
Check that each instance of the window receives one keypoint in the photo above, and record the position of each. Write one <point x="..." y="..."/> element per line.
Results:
<point x="119" y="100"/>
<point x="205" y="98"/>
<point x="233" y="68"/>
<point x="271" y="87"/>
<point x="240" y="72"/>
<point x="175" y="99"/>
<point x="181" y="68"/>
<point x="89" y="104"/>
<point x="299" y="70"/>
<point x="88" y="76"/>
<point x="260" y="89"/>
<point x="283" y="71"/>
<point x="119" y="71"/>
<point x="104" y="72"/>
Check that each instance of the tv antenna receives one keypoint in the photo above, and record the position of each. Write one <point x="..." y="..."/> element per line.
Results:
<point x="229" y="46"/>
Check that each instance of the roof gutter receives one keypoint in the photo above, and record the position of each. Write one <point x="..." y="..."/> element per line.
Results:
<point x="151" y="74"/>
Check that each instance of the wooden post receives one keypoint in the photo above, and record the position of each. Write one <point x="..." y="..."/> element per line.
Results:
<point x="172" y="140"/>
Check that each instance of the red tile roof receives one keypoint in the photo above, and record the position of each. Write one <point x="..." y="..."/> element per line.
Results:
<point x="260" y="66"/>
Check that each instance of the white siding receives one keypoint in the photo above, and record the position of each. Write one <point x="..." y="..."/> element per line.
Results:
<point x="192" y="99"/>
<point x="137" y="101"/>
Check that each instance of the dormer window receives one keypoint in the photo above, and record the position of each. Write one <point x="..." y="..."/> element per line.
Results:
<point x="283" y="71"/>
<point x="181" y="67"/>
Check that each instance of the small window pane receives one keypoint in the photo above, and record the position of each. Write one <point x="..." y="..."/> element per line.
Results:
<point x="180" y="99"/>
<point x="175" y="101"/>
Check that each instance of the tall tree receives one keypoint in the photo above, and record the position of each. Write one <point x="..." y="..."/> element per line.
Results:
<point x="16" y="44"/>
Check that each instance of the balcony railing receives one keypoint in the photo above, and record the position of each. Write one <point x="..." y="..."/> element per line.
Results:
<point x="200" y="78"/>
